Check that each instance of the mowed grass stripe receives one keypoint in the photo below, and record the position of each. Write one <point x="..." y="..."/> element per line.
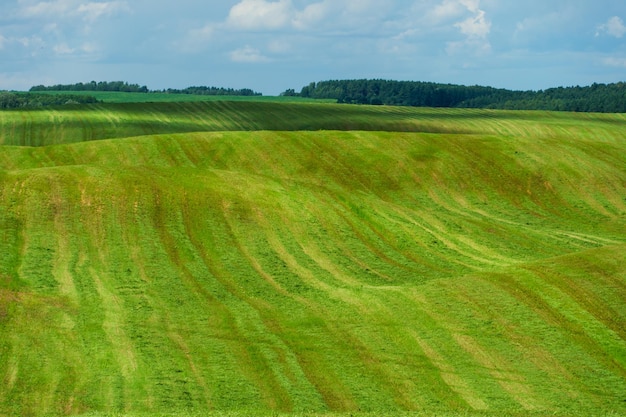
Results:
<point x="298" y="271"/>
<point x="170" y="153"/>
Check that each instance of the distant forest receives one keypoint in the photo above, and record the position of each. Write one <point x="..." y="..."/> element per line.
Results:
<point x="606" y="98"/>
<point x="12" y="100"/>
<point x="213" y="91"/>
<point x="94" y="86"/>
<point x="136" y="88"/>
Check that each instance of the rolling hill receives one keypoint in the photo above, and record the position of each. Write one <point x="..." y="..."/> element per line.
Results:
<point x="237" y="258"/>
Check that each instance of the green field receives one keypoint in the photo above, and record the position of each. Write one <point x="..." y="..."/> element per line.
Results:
<point x="296" y="259"/>
<point x="162" y="97"/>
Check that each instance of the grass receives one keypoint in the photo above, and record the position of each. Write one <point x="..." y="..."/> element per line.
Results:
<point x="331" y="414"/>
<point x="78" y="123"/>
<point x="202" y="259"/>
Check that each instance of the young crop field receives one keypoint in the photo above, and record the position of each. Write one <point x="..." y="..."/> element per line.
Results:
<point x="299" y="259"/>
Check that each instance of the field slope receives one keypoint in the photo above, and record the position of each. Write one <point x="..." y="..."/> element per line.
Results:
<point x="292" y="257"/>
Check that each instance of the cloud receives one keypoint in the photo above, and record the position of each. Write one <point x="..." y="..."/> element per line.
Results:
<point x="250" y="17"/>
<point x="261" y="14"/>
<point x="440" y="17"/>
<point x="89" y="11"/>
<point x="294" y="42"/>
<point x="64" y="49"/>
<point x="93" y="11"/>
<point x="34" y="42"/>
<point x="47" y="8"/>
<point x="448" y="9"/>
<point x="311" y="15"/>
<point x="17" y="50"/>
<point x="614" y="27"/>
<point x="248" y="54"/>
<point x="64" y="27"/>
<point x="258" y="15"/>
<point x="475" y="28"/>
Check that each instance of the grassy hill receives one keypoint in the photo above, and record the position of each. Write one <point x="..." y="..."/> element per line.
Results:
<point x="243" y="258"/>
<point x="78" y="123"/>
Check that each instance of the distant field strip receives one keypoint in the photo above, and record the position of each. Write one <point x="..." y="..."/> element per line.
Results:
<point x="69" y="124"/>
<point x="191" y="269"/>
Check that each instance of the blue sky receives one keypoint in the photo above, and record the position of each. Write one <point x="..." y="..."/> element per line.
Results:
<point x="273" y="45"/>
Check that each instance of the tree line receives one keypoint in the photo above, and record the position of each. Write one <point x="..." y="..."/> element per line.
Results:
<point x="136" y="88"/>
<point x="608" y="98"/>
<point x="94" y="86"/>
<point x="213" y="91"/>
<point x="12" y="100"/>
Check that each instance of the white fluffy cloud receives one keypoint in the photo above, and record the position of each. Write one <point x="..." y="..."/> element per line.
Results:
<point x="248" y="17"/>
<point x="450" y="17"/>
<point x="475" y="27"/>
<point x="257" y="15"/>
<point x="613" y="27"/>
<point x="311" y="15"/>
<point x="260" y="14"/>
<point x="446" y="10"/>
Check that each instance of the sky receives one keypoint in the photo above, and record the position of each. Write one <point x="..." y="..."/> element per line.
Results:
<point x="273" y="45"/>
